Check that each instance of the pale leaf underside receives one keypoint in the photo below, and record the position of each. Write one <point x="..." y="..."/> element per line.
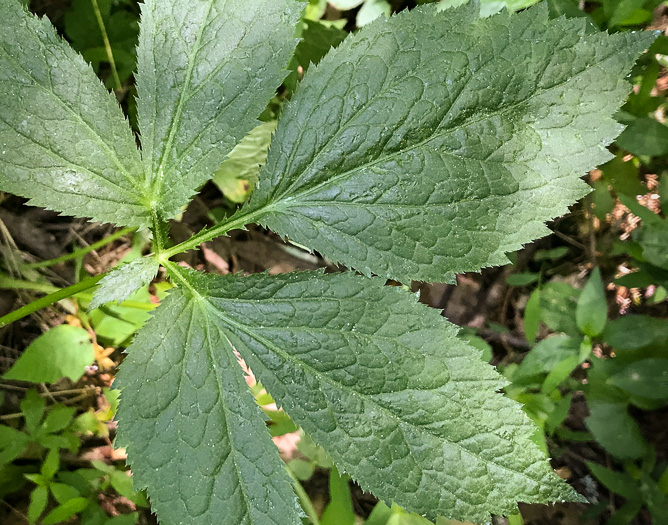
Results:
<point x="378" y="380"/>
<point x="434" y="143"/>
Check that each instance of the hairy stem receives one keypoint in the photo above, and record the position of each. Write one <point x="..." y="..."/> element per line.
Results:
<point x="82" y="251"/>
<point x="50" y="299"/>
<point x="54" y="295"/>
<point x="235" y="222"/>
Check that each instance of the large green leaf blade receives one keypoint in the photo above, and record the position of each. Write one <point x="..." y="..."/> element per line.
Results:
<point x="206" y="70"/>
<point x="435" y="143"/>
<point x="63" y="140"/>
<point x="386" y="387"/>
<point x="195" y="437"/>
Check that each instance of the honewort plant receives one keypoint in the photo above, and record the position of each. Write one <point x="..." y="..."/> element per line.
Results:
<point x="427" y="144"/>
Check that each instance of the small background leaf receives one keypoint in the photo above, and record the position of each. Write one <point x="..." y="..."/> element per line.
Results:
<point x="63" y="351"/>
<point x="591" y="312"/>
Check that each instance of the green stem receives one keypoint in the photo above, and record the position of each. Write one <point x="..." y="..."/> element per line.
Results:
<point x="107" y="45"/>
<point x="82" y="251"/>
<point x="235" y="222"/>
<point x="10" y="283"/>
<point x="158" y="240"/>
<point x="56" y="294"/>
<point x="304" y="499"/>
<point x="50" y="299"/>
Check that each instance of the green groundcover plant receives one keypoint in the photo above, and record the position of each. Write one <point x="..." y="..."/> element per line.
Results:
<point x="427" y="144"/>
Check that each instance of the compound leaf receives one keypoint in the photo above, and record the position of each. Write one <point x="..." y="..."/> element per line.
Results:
<point x="195" y="437"/>
<point x="380" y="381"/>
<point x="124" y="281"/>
<point x="206" y="70"/>
<point x="63" y="140"/>
<point x="433" y="143"/>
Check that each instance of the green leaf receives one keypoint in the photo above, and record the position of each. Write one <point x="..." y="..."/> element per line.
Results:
<point x="63" y="492"/>
<point x="632" y="332"/>
<point x="63" y="351"/>
<point x="339" y="511"/>
<point x="65" y="511"/>
<point x="371" y="10"/>
<point x="238" y="174"/>
<point x="32" y="406"/>
<point x="51" y="464"/>
<point x="618" y="482"/>
<point x="532" y="316"/>
<point x="559" y="373"/>
<point x="123" y="281"/>
<point x="57" y="419"/>
<point x="625" y="514"/>
<point x="63" y="140"/>
<point x="12" y="444"/>
<point x="591" y="312"/>
<point x="623" y="176"/>
<point x="653" y="238"/>
<point x="645" y="378"/>
<point x="412" y="160"/>
<point x="522" y="279"/>
<point x="344" y="5"/>
<point x="195" y="438"/>
<point x="317" y="40"/>
<point x="206" y="70"/>
<point x="613" y="427"/>
<point x="38" y="500"/>
<point x="377" y="379"/>
<point x="645" y="136"/>
<point x="558" y="302"/>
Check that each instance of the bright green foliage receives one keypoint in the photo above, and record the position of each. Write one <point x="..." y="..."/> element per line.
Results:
<point x="63" y="351"/>
<point x="63" y="140"/>
<point x="591" y="313"/>
<point x="413" y="160"/>
<point x="123" y="281"/>
<point x="205" y="72"/>
<point x="238" y="174"/>
<point x="195" y="437"/>
<point x="373" y="376"/>
<point x="339" y="511"/>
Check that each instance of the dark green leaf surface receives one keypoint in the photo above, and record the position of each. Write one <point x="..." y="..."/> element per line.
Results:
<point x="612" y="426"/>
<point x="195" y="437"/>
<point x="63" y="140"/>
<point x="206" y="70"/>
<point x="123" y="281"/>
<point x="645" y="377"/>
<point x="434" y="143"/>
<point x="379" y="380"/>
<point x="591" y="313"/>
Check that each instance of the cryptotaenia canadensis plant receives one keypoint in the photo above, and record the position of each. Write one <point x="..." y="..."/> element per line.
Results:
<point x="426" y="144"/>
